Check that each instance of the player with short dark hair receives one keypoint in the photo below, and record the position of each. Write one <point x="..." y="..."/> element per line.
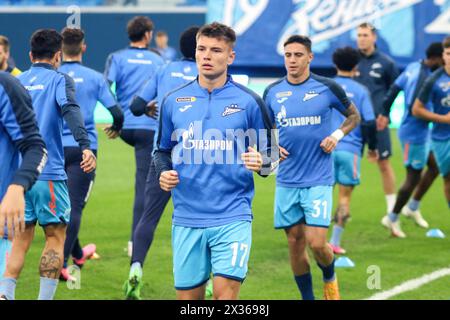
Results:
<point x="301" y="107"/>
<point x="377" y="72"/>
<point x="90" y="87"/>
<point x="211" y="230"/>
<point x="129" y="69"/>
<point x="414" y="137"/>
<point x="169" y="77"/>
<point x="433" y="104"/>
<point x="348" y="153"/>
<point x="47" y="203"/>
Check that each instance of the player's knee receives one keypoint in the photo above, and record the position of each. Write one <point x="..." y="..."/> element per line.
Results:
<point x="384" y="165"/>
<point x="55" y="235"/>
<point x="318" y="246"/>
<point x="296" y="241"/>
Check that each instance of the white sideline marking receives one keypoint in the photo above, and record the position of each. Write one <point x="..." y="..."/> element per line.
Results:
<point x="411" y="284"/>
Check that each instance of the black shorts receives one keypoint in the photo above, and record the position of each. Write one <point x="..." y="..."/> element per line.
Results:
<point x="384" y="145"/>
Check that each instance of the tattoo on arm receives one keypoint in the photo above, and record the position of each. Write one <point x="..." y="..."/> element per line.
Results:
<point x="353" y="119"/>
<point x="50" y="265"/>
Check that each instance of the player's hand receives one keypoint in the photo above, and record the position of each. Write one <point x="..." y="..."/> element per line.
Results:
<point x="168" y="180"/>
<point x="252" y="159"/>
<point x="12" y="211"/>
<point x="329" y="144"/>
<point x="283" y="153"/>
<point x="382" y="122"/>
<point x="372" y="155"/>
<point x="447" y="118"/>
<point x="89" y="162"/>
<point x="152" y="109"/>
<point x="111" y="133"/>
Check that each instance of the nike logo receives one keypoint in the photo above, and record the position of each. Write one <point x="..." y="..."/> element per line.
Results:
<point x="183" y="109"/>
<point x="309" y="96"/>
<point x="282" y="100"/>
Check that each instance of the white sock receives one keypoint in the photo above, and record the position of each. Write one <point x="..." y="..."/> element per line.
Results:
<point x="390" y="201"/>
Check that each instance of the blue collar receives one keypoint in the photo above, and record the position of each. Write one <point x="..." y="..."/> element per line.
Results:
<point x="43" y="65"/>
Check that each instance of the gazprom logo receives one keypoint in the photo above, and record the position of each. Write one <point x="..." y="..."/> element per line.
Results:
<point x="281" y="117"/>
<point x="188" y="136"/>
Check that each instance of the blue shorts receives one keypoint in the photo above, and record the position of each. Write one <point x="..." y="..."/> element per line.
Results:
<point x="224" y="250"/>
<point x="47" y="202"/>
<point x="311" y="206"/>
<point x="415" y="155"/>
<point x="441" y="150"/>
<point x="347" y="168"/>
<point x="5" y="250"/>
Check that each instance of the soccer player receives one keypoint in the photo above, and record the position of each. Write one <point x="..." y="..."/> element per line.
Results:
<point x="377" y="72"/>
<point x="19" y="134"/>
<point x="4" y="56"/>
<point x="301" y="105"/>
<point x="168" y="53"/>
<point x="347" y="155"/>
<point x="90" y="87"/>
<point x="436" y="91"/>
<point x="169" y="77"/>
<point x="414" y="137"/>
<point x="52" y="95"/>
<point x="129" y="69"/>
<point x="198" y="159"/>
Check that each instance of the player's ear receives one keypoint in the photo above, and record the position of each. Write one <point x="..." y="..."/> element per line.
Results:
<point x="31" y="56"/>
<point x="83" y="48"/>
<point x="311" y="57"/>
<point x="231" y="57"/>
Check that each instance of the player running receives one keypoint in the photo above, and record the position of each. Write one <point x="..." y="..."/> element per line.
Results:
<point x="198" y="158"/>
<point x="129" y="69"/>
<point x="414" y="137"/>
<point x="90" y="87"/>
<point x="169" y="77"/>
<point x="348" y="152"/>
<point x="436" y="91"/>
<point x="301" y="105"/>
<point x="47" y="203"/>
<point x="19" y="134"/>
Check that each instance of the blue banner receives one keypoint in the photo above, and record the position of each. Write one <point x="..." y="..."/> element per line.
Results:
<point x="405" y="27"/>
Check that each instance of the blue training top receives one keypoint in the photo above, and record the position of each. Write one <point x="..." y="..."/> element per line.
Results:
<point x="90" y="87"/>
<point x="129" y="69"/>
<point x="358" y="94"/>
<point x="303" y="115"/>
<point x="436" y="90"/>
<point x="206" y="133"/>
<point x="19" y="133"/>
<point x="53" y="97"/>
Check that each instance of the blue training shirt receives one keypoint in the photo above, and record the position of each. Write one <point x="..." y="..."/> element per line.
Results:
<point x="168" y="77"/>
<point x="129" y="69"/>
<point x="53" y="93"/>
<point x="19" y="134"/>
<point x="303" y="115"/>
<point x="358" y="94"/>
<point x="205" y="132"/>
<point x="90" y="87"/>
<point x="412" y="130"/>
<point x="436" y="90"/>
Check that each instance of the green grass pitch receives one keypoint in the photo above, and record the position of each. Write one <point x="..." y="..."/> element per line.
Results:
<point x="107" y="222"/>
